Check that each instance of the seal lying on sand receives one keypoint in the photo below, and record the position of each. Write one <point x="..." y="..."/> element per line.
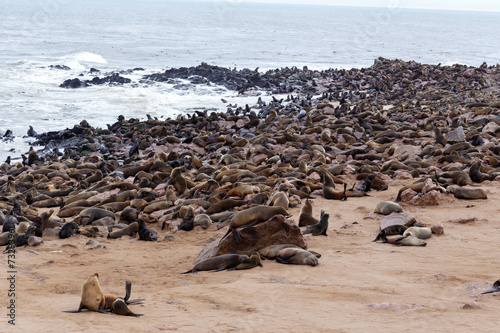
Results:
<point x="297" y="257"/>
<point x="219" y="263"/>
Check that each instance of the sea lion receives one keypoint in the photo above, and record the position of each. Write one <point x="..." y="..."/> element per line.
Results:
<point x="329" y="190"/>
<point x="319" y="228"/>
<point x="251" y="216"/>
<point x="38" y="224"/>
<point x="219" y="263"/>
<point x="306" y="218"/>
<point x="92" y="297"/>
<point x="496" y="287"/>
<point x="418" y="232"/>
<point x="145" y="233"/>
<point x="109" y="299"/>
<point x="68" y="229"/>
<point x="129" y="230"/>
<point x="387" y="207"/>
<point x="417" y="187"/>
<point x="407" y="240"/>
<point x="466" y="193"/>
<point x="395" y="229"/>
<point x="52" y="202"/>
<point x="296" y="256"/>
<point x="80" y="196"/>
<point x="202" y="220"/>
<point x="254" y="261"/>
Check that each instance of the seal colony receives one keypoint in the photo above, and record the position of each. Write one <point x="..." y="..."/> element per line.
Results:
<point x="341" y="134"/>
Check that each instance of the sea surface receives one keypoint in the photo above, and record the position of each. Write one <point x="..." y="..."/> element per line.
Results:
<point x="112" y="35"/>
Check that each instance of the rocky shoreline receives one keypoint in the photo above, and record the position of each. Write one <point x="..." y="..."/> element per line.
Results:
<point x="396" y="120"/>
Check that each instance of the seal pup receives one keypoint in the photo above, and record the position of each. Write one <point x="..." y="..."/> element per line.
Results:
<point x="120" y="307"/>
<point x="396" y="229"/>
<point x="145" y="233"/>
<point x="187" y="223"/>
<point x="92" y="297"/>
<point x="68" y="229"/>
<point x="407" y="240"/>
<point x="129" y="230"/>
<point x="367" y="184"/>
<point x="306" y="218"/>
<point x="387" y="207"/>
<point x="280" y="199"/>
<point x="319" y="228"/>
<point x="297" y="257"/>
<point x="219" y="263"/>
<point x="271" y="251"/>
<point x="466" y="193"/>
<point x="254" y="261"/>
<point x="418" y="232"/>
<point x="496" y="287"/>
<point x="202" y="220"/>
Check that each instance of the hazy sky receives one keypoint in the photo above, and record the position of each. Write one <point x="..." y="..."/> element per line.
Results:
<point x="490" y="5"/>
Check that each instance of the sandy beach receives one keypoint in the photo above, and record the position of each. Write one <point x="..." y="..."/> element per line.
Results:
<point x="358" y="286"/>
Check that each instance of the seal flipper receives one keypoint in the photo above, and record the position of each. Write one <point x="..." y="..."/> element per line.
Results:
<point x="219" y="269"/>
<point x="190" y="271"/>
<point x="80" y="308"/>
<point x="324" y="233"/>
<point x="281" y="260"/>
<point x="236" y="235"/>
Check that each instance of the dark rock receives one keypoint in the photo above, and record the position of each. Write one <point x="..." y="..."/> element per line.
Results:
<point x="277" y="230"/>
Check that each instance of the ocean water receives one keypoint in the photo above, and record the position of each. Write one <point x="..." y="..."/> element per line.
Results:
<point x="113" y="35"/>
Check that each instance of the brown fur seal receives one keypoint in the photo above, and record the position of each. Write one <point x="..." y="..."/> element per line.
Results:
<point x="178" y="180"/>
<point x="387" y="207"/>
<point x="92" y="297"/>
<point x="224" y="205"/>
<point x="407" y="240"/>
<point x="129" y="230"/>
<point x="202" y="220"/>
<point x="466" y="193"/>
<point x="320" y="228"/>
<point x="88" y="215"/>
<point x="254" y="261"/>
<point x="297" y="257"/>
<point x="396" y="229"/>
<point x="329" y="190"/>
<point x="252" y="216"/>
<point x="475" y="173"/>
<point x="242" y="190"/>
<point x="270" y="252"/>
<point x="187" y="223"/>
<point x="68" y="230"/>
<point x="306" y="218"/>
<point x="219" y="263"/>
<point x="120" y="307"/>
<point x="418" y="232"/>
<point x="280" y="199"/>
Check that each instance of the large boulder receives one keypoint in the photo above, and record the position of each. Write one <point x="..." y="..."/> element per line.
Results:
<point x="276" y="230"/>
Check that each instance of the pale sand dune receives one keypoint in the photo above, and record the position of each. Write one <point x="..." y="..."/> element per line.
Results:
<point x="359" y="286"/>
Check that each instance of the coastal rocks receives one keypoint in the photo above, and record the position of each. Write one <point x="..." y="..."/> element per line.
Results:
<point x="437" y="229"/>
<point x="276" y="230"/>
<point x="456" y="135"/>
<point x="112" y="79"/>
